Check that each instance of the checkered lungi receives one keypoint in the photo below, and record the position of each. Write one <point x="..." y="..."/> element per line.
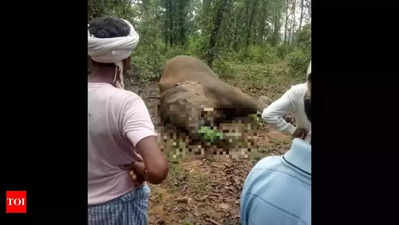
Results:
<point x="129" y="209"/>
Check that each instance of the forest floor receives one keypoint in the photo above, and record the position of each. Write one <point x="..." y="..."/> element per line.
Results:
<point x="204" y="186"/>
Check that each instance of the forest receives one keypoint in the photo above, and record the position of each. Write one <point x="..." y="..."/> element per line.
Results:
<point x="224" y="33"/>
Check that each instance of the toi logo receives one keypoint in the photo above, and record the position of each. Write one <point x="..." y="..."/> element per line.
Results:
<point x="15" y="201"/>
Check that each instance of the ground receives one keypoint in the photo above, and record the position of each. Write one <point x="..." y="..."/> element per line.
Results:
<point x="204" y="184"/>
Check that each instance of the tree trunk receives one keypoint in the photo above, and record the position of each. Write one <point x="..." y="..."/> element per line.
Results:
<point x="166" y="22"/>
<point x="171" y="24"/>
<point x="215" y="31"/>
<point x="182" y="9"/>
<point x="250" y="22"/>
<point x="300" y="19"/>
<point x="237" y="30"/>
<point x="293" y="22"/>
<point x="286" y="21"/>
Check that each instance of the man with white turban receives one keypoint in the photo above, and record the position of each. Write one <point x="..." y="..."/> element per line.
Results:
<point x="121" y="135"/>
<point x="112" y="50"/>
<point x="294" y="100"/>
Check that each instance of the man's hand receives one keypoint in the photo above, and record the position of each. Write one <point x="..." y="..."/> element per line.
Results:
<point x="137" y="178"/>
<point x="156" y="165"/>
<point x="137" y="169"/>
<point x="300" y="133"/>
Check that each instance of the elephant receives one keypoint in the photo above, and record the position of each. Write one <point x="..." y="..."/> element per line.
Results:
<point x="189" y="87"/>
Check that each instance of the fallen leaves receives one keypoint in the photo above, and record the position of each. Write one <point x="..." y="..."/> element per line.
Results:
<point x="224" y="206"/>
<point x="212" y="221"/>
<point x="215" y="204"/>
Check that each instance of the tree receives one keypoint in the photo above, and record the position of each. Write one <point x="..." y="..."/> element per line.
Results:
<point x="175" y="18"/>
<point x="276" y="21"/>
<point x="254" y="4"/>
<point x="286" y="21"/>
<point x="293" y="21"/>
<point x="208" y="28"/>
<point x="301" y="17"/>
<point x="221" y="8"/>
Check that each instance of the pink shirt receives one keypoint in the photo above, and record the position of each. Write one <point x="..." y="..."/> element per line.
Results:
<point x="113" y="115"/>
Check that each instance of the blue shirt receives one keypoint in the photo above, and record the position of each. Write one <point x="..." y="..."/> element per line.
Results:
<point x="277" y="190"/>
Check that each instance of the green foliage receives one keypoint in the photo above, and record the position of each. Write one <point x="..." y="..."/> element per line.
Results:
<point x="149" y="66"/>
<point x="298" y="58"/>
<point x="117" y="8"/>
<point x="223" y="69"/>
<point x="148" y="57"/>
<point x="283" y="50"/>
<point x="298" y="61"/>
<point x="195" y="45"/>
<point x="175" y="51"/>
<point x="176" y="21"/>
<point x="258" y="54"/>
<point x="248" y="33"/>
<point x="210" y="135"/>
<point x="304" y="38"/>
<point x="255" y="77"/>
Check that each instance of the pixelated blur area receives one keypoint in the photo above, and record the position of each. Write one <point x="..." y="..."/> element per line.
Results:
<point x="206" y="134"/>
<point x="200" y="131"/>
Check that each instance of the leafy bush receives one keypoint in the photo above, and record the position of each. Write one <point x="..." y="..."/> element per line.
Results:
<point x="283" y="50"/>
<point x="262" y="54"/>
<point x="304" y="38"/>
<point x="298" y="62"/>
<point x="195" y="45"/>
<point x="149" y="65"/>
<point x="254" y="54"/>
<point x="210" y="135"/>
<point x="175" y="51"/>
<point x="299" y="58"/>
<point x="223" y="69"/>
<point x="270" y="54"/>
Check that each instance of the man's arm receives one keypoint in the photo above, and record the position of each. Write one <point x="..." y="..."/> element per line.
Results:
<point x="140" y="131"/>
<point x="154" y="167"/>
<point x="274" y="113"/>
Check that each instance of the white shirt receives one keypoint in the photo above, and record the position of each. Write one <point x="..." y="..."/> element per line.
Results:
<point x="291" y="101"/>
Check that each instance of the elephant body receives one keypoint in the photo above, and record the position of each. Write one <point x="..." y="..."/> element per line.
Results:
<point x="225" y="96"/>
<point x="189" y="88"/>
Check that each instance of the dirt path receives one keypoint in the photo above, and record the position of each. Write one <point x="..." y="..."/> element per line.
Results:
<point x="203" y="189"/>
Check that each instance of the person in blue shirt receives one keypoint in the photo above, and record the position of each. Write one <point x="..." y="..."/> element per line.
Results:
<point x="277" y="189"/>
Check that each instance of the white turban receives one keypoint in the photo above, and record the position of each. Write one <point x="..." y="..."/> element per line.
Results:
<point x="113" y="50"/>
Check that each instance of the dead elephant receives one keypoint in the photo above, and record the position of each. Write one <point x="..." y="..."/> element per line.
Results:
<point x="190" y="89"/>
<point x="187" y="107"/>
